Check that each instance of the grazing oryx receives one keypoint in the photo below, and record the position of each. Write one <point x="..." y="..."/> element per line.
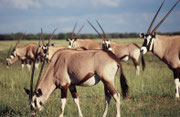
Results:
<point x="70" y="68"/>
<point x="23" y="53"/>
<point x="165" y="47"/>
<point x="122" y="51"/>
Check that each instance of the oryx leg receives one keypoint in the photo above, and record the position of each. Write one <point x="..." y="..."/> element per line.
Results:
<point x="177" y="81"/>
<point x="22" y="63"/>
<point x="63" y="99"/>
<point x="37" y="63"/>
<point x="108" y="99"/>
<point x="136" y="64"/>
<point x="76" y="98"/>
<point x="29" y="65"/>
<point x="111" y="88"/>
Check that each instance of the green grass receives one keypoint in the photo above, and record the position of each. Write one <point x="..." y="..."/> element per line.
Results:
<point x="151" y="94"/>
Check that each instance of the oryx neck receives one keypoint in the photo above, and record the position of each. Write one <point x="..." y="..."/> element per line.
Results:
<point x="159" y="47"/>
<point x="47" y="86"/>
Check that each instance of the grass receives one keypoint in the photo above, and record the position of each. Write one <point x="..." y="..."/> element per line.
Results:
<point x="151" y="94"/>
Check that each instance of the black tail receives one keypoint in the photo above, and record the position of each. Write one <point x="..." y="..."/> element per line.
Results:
<point x="143" y="62"/>
<point x="124" y="85"/>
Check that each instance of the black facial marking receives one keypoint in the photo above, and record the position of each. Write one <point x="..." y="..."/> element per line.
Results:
<point x="145" y="42"/>
<point x="40" y="103"/>
<point x="39" y="93"/>
<point x="35" y="103"/>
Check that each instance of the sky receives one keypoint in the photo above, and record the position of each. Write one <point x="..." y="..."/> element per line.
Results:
<point x="120" y="16"/>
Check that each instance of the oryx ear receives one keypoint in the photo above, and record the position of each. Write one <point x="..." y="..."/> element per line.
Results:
<point x="27" y="91"/>
<point x="141" y="35"/>
<point x="39" y="93"/>
<point x="154" y="35"/>
<point x="67" y="39"/>
<point x="52" y="44"/>
<point x="75" y="39"/>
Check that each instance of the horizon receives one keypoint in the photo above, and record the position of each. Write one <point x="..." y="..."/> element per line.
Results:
<point x="115" y="16"/>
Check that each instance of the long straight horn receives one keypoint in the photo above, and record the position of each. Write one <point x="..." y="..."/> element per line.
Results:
<point x="101" y="29"/>
<point x="43" y="63"/>
<point x="79" y="30"/>
<point x="42" y="37"/>
<point x="9" y="51"/>
<point x="165" y="17"/>
<point x="32" y="73"/>
<point x="95" y="29"/>
<point x="74" y="30"/>
<point x="155" y="18"/>
<point x="51" y="36"/>
<point x="19" y="41"/>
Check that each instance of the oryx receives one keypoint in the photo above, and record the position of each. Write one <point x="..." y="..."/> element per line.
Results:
<point x="165" y="47"/>
<point x="126" y="51"/>
<point x="83" y="43"/>
<point x="70" y="68"/>
<point x="23" y="53"/>
<point x="122" y="51"/>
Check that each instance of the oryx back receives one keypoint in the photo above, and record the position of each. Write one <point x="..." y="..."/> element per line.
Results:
<point x="74" y="65"/>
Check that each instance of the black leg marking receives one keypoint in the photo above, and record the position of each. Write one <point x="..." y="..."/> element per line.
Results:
<point x="73" y="91"/>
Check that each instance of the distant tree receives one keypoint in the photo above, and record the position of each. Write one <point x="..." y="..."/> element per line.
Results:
<point x="61" y="36"/>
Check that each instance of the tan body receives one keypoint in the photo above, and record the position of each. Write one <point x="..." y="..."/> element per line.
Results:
<point x="86" y="43"/>
<point x="53" y="49"/>
<point x="70" y="68"/>
<point x="126" y="51"/>
<point x="167" y="48"/>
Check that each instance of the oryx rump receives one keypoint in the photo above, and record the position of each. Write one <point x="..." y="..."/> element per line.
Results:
<point x="126" y="51"/>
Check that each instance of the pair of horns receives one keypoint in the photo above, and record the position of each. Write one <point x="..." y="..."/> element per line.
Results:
<point x="77" y="32"/>
<point x="148" y="32"/>
<point x="10" y="49"/>
<point x="104" y="34"/>
<point x="42" y="66"/>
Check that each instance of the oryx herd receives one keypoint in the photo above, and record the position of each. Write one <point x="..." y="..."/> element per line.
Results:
<point x="85" y="62"/>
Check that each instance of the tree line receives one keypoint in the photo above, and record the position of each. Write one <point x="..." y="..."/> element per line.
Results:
<point x="60" y="36"/>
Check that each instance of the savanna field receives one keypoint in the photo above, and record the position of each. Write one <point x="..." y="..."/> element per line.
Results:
<point x="151" y="94"/>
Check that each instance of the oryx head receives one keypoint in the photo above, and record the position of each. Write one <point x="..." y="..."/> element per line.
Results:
<point x="148" y="42"/>
<point x="36" y="101"/>
<point x="45" y="47"/>
<point x="72" y="42"/>
<point x="72" y="39"/>
<point x="150" y="35"/>
<point x="12" y="53"/>
<point x="106" y="42"/>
